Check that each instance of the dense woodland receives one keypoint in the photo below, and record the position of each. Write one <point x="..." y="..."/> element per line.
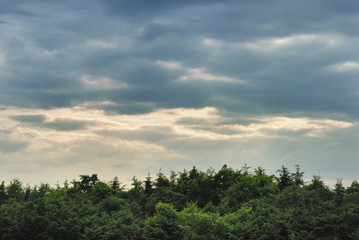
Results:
<point x="227" y="204"/>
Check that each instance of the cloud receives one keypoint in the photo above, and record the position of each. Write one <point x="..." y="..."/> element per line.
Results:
<point x="30" y="118"/>
<point x="263" y="127"/>
<point x="206" y="67"/>
<point x="101" y="44"/>
<point x="66" y="125"/>
<point x="206" y="123"/>
<point x="58" y="124"/>
<point x="199" y="74"/>
<point x="202" y="82"/>
<point x="277" y="44"/>
<point x="170" y="65"/>
<point x="7" y="146"/>
<point x="195" y="74"/>
<point x="2" y="60"/>
<point x="170" y="138"/>
<point x="93" y="82"/>
<point x="344" y="67"/>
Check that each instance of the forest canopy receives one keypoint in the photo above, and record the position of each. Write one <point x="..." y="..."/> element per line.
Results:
<point x="194" y="204"/>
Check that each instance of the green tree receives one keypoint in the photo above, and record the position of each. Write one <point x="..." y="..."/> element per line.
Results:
<point x="298" y="176"/>
<point x="164" y="224"/>
<point x="101" y="191"/>
<point x="3" y="195"/>
<point x="148" y="185"/>
<point x="113" y="220"/>
<point x="61" y="216"/>
<point x="15" y="190"/>
<point x="197" y="225"/>
<point x="285" y="179"/>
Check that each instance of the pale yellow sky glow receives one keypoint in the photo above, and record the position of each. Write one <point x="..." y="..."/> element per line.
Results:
<point x="210" y="122"/>
<point x="120" y="140"/>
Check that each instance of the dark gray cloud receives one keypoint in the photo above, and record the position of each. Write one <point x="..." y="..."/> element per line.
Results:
<point x="44" y="63"/>
<point x="34" y="119"/>
<point x="8" y="146"/>
<point x="128" y="107"/>
<point x="59" y="124"/>
<point x="140" y="10"/>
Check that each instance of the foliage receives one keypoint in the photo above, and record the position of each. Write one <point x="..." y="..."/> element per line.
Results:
<point x="228" y="204"/>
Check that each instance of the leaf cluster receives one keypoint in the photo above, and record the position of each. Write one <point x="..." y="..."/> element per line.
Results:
<point x="227" y="204"/>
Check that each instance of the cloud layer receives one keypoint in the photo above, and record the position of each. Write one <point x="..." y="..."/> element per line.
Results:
<point x="128" y="87"/>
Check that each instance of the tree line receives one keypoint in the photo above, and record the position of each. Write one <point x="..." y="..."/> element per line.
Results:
<point x="194" y="204"/>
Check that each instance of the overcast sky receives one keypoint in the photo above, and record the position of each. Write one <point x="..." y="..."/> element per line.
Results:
<point x="126" y="87"/>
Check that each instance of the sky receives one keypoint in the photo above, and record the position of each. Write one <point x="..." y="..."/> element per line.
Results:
<point x="126" y="88"/>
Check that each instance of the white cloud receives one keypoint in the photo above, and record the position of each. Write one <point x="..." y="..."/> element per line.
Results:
<point x="170" y="65"/>
<point x="314" y="127"/>
<point x="344" y="67"/>
<point x="100" y="82"/>
<point x="268" y="45"/>
<point x="264" y="127"/>
<point x="204" y="123"/>
<point x="211" y="43"/>
<point x="100" y="44"/>
<point x="122" y="43"/>
<point x="196" y="74"/>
